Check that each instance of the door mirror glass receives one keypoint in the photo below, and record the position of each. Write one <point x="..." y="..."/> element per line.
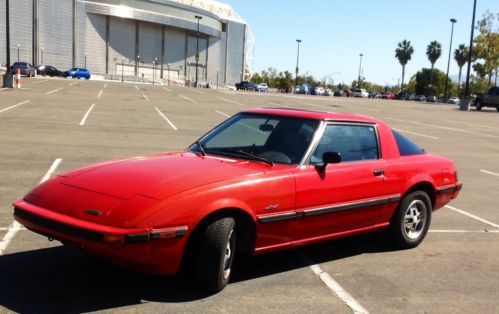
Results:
<point x="331" y="158"/>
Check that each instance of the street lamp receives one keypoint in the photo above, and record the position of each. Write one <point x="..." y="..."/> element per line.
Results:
<point x="466" y="90"/>
<point x="298" y="41"/>
<point x="197" y="48"/>
<point x="85" y="60"/>
<point x="448" y="61"/>
<point x="360" y="67"/>
<point x="18" y="45"/>
<point x="138" y="65"/>
<point x="41" y="50"/>
<point x="168" y="68"/>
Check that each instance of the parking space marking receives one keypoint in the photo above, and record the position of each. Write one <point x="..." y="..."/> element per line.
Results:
<point x="276" y="104"/>
<point x="473" y="216"/>
<point x="464" y="231"/>
<point x="11" y="107"/>
<point x="42" y="81"/>
<point x="490" y="172"/>
<point x="105" y="85"/>
<point x="100" y="93"/>
<point x="74" y="83"/>
<point x="145" y="97"/>
<point x="84" y="119"/>
<point x="230" y="101"/>
<point x="187" y="98"/>
<point x="223" y="114"/>
<point x="4" y="88"/>
<point x="167" y="120"/>
<point x="15" y="226"/>
<point x="417" y="134"/>
<point x="53" y="91"/>
<point x="136" y="87"/>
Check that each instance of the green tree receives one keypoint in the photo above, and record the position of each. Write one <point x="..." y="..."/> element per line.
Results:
<point x="433" y="52"/>
<point x="423" y="85"/>
<point x="404" y="53"/>
<point x="461" y="57"/>
<point x="486" y="49"/>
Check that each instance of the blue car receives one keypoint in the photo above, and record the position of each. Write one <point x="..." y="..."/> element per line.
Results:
<point x="78" y="73"/>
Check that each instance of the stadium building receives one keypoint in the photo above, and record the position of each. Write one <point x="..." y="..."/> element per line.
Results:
<point x="134" y="38"/>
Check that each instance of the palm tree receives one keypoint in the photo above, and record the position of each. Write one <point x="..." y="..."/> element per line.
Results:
<point x="404" y="53"/>
<point x="461" y="57"/>
<point x="433" y="51"/>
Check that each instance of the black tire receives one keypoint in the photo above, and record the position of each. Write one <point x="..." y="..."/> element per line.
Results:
<point x="216" y="254"/>
<point x="478" y="105"/>
<point x="408" y="234"/>
<point x="497" y="108"/>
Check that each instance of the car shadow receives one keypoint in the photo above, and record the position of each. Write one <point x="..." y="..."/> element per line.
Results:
<point x="62" y="280"/>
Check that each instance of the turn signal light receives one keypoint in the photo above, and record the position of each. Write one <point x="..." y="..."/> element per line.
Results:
<point x="113" y="239"/>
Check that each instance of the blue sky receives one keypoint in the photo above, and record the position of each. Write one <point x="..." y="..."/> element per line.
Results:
<point x="334" y="33"/>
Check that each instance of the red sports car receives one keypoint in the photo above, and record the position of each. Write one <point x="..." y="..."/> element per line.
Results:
<point x="263" y="180"/>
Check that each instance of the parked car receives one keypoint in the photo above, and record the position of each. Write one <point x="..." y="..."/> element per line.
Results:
<point x="374" y="95"/>
<point x="339" y="93"/>
<point x="348" y="93"/>
<point x="431" y="98"/>
<point x="26" y="68"/>
<point x="491" y="99"/>
<point x="320" y="91"/>
<point x="304" y="89"/>
<point x="327" y="92"/>
<point x="262" y="87"/>
<point x="312" y="90"/>
<point x="389" y="95"/>
<point x="78" y="73"/>
<point x="419" y="98"/>
<point x="453" y="100"/>
<point x="360" y="92"/>
<point x="48" y="70"/>
<point x="262" y="181"/>
<point x="404" y="96"/>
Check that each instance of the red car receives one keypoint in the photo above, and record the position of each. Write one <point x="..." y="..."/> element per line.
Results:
<point x="389" y="95"/>
<point x="263" y="180"/>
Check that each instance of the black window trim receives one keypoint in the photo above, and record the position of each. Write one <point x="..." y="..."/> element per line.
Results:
<point x="322" y="128"/>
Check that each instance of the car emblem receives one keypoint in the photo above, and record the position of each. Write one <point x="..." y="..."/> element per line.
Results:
<point x="93" y="212"/>
<point x="272" y="207"/>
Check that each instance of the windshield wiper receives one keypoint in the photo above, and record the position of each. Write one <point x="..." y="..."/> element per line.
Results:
<point x="201" y="146"/>
<point x="250" y="155"/>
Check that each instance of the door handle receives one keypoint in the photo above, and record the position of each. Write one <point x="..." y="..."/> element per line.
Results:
<point x="378" y="172"/>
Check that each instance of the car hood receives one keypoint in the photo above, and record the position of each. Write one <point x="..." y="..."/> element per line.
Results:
<point x="158" y="176"/>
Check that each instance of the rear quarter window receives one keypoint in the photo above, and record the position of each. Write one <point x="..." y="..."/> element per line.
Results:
<point x="406" y="147"/>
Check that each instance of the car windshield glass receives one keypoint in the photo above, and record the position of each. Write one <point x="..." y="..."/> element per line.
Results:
<point x="21" y="64"/>
<point x="74" y="69"/>
<point x="259" y="137"/>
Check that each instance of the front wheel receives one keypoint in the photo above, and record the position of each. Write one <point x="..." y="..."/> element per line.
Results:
<point x="216" y="254"/>
<point x="478" y="105"/>
<point x="410" y="223"/>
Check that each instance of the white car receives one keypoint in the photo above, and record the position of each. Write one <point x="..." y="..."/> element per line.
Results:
<point x="263" y="87"/>
<point x="360" y="92"/>
<point x="453" y="100"/>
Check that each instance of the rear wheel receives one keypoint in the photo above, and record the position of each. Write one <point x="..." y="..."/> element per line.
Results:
<point x="478" y="105"/>
<point x="216" y="254"/>
<point x="410" y="223"/>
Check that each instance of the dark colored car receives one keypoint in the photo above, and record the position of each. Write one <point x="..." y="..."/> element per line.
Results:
<point x="348" y="93"/>
<point x="374" y="95"/>
<point x="263" y="180"/>
<point x="245" y="85"/>
<point x="490" y="99"/>
<point x="419" y="98"/>
<point x="389" y="95"/>
<point x="431" y="98"/>
<point x="26" y="68"/>
<point x="404" y="96"/>
<point x="78" y="73"/>
<point x="339" y="93"/>
<point x="48" y="70"/>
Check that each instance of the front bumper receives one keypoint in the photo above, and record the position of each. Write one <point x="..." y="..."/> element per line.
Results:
<point x="148" y="250"/>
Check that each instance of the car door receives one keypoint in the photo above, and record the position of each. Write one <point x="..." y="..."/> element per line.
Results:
<point x="351" y="195"/>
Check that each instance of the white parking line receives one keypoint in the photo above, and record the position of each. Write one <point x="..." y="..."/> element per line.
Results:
<point x="105" y="85"/>
<point x="167" y="120"/>
<point x="74" y="83"/>
<point x="136" y="87"/>
<point x="187" y="98"/>
<point x="53" y="91"/>
<point x="472" y="216"/>
<point x="276" y="104"/>
<point x="230" y="101"/>
<point x="100" y="93"/>
<point x="464" y="231"/>
<point x="19" y="104"/>
<point x="490" y="172"/>
<point x="84" y="119"/>
<point x="223" y="114"/>
<point x="144" y="95"/>
<point x="4" y="88"/>
<point x="42" y="81"/>
<point x="417" y="134"/>
<point x="15" y="226"/>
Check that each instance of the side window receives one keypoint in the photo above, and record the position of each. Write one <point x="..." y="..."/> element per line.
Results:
<point x="405" y="146"/>
<point x="352" y="142"/>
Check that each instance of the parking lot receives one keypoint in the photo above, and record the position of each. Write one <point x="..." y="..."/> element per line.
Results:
<point x="54" y="125"/>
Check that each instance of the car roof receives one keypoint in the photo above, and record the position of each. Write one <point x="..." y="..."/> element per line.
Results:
<point x="312" y="114"/>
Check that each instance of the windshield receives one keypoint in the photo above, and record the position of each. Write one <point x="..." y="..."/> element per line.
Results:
<point x="270" y="138"/>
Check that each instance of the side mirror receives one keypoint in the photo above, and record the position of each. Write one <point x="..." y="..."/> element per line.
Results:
<point x="328" y="158"/>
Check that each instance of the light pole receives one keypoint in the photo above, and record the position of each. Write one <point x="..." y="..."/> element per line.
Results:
<point x="448" y="62"/>
<point x="41" y="50"/>
<point x="122" y="68"/>
<point x="18" y="45"/>
<point x="466" y="90"/>
<point x="85" y="60"/>
<point x="138" y="65"/>
<point x="168" y="68"/>
<point x="154" y="69"/>
<point x="360" y="67"/>
<point x="298" y="41"/>
<point x="197" y="48"/>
